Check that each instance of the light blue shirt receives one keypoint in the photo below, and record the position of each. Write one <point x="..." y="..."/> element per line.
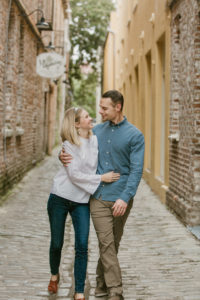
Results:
<point x="121" y="149"/>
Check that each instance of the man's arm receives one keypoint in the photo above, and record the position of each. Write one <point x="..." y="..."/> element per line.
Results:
<point x="136" y="169"/>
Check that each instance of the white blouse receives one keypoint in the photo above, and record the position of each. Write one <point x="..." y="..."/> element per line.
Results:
<point x="78" y="180"/>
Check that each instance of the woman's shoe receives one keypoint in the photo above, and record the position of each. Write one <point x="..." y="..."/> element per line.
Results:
<point x="53" y="285"/>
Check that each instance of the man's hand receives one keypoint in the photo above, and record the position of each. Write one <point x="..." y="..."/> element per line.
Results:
<point x="65" y="158"/>
<point x="119" y="208"/>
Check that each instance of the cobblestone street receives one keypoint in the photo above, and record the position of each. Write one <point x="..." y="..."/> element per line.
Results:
<point x="160" y="258"/>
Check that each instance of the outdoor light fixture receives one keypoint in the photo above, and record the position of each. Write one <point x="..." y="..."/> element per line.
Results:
<point x="55" y="41"/>
<point x="41" y="24"/>
<point x="50" y="46"/>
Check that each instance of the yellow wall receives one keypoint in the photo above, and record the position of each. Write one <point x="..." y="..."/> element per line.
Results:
<point x="139" y="40"/>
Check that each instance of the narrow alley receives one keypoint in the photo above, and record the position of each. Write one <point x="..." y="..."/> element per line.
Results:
<point x="160" y="258"/>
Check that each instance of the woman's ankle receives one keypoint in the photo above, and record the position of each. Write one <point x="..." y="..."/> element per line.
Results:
<point x="78" y="295"/>
<point x="54" y="277"/>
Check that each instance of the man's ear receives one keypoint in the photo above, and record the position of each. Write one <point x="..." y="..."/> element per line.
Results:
<point x="118" y="107"/>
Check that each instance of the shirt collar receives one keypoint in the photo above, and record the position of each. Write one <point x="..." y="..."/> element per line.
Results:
<point x="118" y="124"/>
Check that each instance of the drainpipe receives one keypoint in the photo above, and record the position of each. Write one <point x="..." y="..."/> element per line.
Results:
<point x="4" y="87"/>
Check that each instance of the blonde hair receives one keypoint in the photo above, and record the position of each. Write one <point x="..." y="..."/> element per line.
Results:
<point x="68" y="129"/>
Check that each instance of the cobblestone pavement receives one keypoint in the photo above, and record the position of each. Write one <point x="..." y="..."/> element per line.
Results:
<point x="159" y="258"/>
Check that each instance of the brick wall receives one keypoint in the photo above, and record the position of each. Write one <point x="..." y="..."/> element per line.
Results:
<point x="22" y="98"/>
<point x="184" y="166"/>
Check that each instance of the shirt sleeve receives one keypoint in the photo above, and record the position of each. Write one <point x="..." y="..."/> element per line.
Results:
<point x="136" y="168"/>
<point x="87" y="182"/>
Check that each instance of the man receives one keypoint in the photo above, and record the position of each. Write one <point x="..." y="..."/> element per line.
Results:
<point x="121" y="149"/>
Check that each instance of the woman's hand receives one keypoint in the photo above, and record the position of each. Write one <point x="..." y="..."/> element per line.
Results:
<point x="110" y="177"/>
<point x="65" y="158"/>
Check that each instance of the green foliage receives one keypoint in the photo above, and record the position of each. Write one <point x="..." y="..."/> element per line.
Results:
<point x="90" y="19"/>
<point x="85" y="93"/>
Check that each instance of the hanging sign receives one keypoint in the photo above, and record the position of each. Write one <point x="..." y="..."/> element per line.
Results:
<point x="50" y="65"/>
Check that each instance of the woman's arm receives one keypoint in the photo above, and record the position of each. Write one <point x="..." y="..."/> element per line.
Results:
<point x="88" y="182"/>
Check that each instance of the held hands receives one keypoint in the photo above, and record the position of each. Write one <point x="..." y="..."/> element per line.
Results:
<point x="110" y="177"/>
<point x="65" y="158"/>
<point x="119" y="208"/>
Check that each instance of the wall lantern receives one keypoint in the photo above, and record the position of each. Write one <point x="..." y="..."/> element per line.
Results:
<point x="41" y="24"/>
<point x="50" y="46"/>
<point x="54" y="41"/>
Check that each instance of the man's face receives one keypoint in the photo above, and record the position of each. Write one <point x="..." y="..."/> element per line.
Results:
<point x="108" y="110"/>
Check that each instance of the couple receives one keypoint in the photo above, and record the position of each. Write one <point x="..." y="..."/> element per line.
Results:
<point x="107" y="165"/>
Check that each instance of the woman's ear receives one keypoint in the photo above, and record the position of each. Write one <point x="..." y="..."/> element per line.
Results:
<point x="77" y="124"/>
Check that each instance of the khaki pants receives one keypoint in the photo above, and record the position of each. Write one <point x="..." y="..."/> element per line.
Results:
<point x="109" y="231"/>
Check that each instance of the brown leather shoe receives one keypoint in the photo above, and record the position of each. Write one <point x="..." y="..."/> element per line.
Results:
<point x="53" y="285"/>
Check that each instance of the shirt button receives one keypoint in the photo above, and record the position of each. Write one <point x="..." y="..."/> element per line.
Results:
<point x="108" y="141"/>
<point x="112" y="129"/>
<point x="106" y="163"/>
<point x="107" y="152"/>
<point x="102" y="184"/>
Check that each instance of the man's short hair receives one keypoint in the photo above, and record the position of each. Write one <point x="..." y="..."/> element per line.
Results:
<point x="115" y="96"/>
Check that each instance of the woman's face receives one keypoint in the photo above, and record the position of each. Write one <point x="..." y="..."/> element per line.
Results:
<point x="85" y="120"/>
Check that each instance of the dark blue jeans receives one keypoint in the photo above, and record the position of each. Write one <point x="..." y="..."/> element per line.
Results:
<point x="58" y="209"/>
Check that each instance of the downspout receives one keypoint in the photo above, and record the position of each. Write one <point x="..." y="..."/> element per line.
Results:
<point x="4" y="86"/>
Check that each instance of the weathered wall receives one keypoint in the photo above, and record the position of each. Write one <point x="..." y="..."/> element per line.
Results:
<point x="184" y="171"/>
<point x="28" y="102"/>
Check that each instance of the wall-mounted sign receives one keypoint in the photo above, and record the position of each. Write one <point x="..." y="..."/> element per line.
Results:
<point x="50" y="65"/>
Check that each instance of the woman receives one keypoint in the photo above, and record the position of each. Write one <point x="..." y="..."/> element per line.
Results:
<point x="72" y="187"/>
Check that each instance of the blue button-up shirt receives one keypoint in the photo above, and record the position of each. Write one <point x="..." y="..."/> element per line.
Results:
<point x="121" y="149"/>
